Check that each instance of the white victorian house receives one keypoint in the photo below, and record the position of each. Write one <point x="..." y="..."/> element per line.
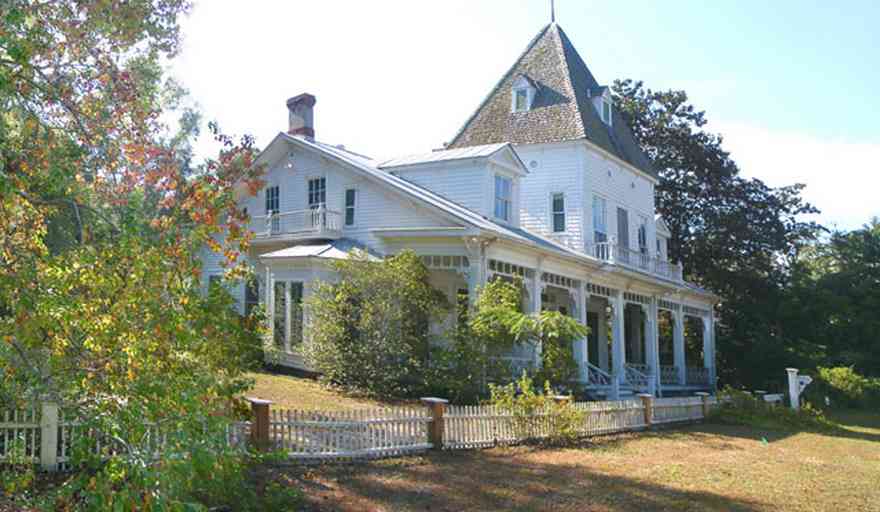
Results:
<point x="544" y="181"/>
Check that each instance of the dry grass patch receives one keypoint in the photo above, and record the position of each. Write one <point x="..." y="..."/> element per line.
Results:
<point x="700" y="467"/>
<point x="290" y="392"/>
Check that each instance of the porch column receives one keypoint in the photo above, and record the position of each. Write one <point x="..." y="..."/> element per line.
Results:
<point x="652" y="342"/>
<point x="270" y="305"/>
<point x="618" y="348"/>
<point x="288" y="296"/>
<point x="678" y="345"/>
<point x="474" y="280"/>
<point x="581" y="345"/>
<point x="709" y="347"/>
<point x="537" y="289"/>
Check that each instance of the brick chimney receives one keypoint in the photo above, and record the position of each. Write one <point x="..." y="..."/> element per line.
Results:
<point x="301" y="117"/>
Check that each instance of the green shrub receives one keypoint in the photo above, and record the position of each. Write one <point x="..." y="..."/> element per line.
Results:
<point x="17" y="474"/>
<point x="533" y="410"/>
<point x="844" y="388"/>
<point x="373" y="320"/>
<point x="742" y="408"/>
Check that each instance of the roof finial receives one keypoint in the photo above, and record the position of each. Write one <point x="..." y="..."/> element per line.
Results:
<point x="552" y="11"/>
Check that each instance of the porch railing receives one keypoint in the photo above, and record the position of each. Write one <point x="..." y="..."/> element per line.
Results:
<point x="697" y="376"/>
<point x="597" y="376"/>
<point x="613" y="252"/>
<point x="669" y="375"/>
<point x="636" y="377"/>
<point x="315" y="221"/>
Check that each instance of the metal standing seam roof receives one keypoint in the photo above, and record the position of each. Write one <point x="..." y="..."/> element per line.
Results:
<point x="482" y="151"/>
<point x="335" y="249"/>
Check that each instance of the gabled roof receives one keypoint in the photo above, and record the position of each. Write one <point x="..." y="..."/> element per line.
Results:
<point x="561" y="110"/>
<point x="334" y="249"/>
<point x="368" y="168"/>
<point x="446" y="155"/>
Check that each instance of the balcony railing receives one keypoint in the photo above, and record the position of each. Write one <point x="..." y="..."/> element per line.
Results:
<point x="316" y="222"/>
<point x="697" y="376"/>
<point x="635" y="259"/>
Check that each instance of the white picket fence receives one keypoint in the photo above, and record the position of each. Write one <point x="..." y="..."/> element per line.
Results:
<point x="358" y="434"/>
<point x="673" y="410"/>
<point x="20" y="434"/>
<point x="480" y="426"/>
<point x="46" y="435"/>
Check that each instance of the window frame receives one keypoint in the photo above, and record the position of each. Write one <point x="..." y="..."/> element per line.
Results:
<point x="505" y="202"/>
<point x="521" y="92"/>
<point x="318" y="192"/>
<point x="642" y="234"/>
<point x="273" y="198"/>
<point x="352" y="207"/>
<point x="607" y="114"/>
<point x="599" y="199"/>
<point x="554" y="212"/>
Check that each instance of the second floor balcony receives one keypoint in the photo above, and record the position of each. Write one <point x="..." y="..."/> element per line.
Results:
<point x="636" y="259"/>
<point x="313" y="223"/>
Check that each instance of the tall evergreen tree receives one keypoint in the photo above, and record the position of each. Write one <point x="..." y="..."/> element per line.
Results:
<point x="735" y="236"/>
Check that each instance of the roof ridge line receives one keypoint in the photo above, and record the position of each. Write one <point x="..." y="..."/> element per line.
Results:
<point x="486" y="99"/>
<point x="568" y="79"/>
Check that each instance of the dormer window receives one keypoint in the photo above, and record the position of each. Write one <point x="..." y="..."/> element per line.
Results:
<point x="601" y="96"/>
<point x="606" y="111"/>
<point x="521" y="100"/>
<point x="522" y="95"/>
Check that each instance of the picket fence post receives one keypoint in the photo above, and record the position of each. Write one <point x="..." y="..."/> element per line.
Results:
<point x="648" y="402"/>
<point x="49" y="435"/>
<point x="260" y="425"/>
<point x="437" y="407"/>
<point x="705" y="397"/>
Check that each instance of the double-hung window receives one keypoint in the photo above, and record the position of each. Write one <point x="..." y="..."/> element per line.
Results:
<point x="606" y="112"/>
<point x="558" y="212"/>
<point x="317" y="192"/>
<point x="503" y="197"/>
<point x="600" y="219"/>
<point x="273" y="207"/>
<point x="251" y="296"/>
<point x="643" y="235"/>
<point x="288" y="314"/>
<point x="350" y="201"/>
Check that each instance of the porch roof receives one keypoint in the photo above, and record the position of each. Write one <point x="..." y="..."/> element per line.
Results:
<point x="333" y="249"/>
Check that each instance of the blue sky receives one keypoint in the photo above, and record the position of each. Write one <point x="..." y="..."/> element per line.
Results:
<point x="790" y="85"/>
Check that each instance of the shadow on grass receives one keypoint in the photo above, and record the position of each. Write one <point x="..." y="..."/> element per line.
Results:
<point x="857" y="425"/>
<point x="489" y="480"/>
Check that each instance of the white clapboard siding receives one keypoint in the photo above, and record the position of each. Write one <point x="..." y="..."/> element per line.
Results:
<point x="672" y="410"/>
<point x="20" y="430"/>
<point x="340" y="435"/>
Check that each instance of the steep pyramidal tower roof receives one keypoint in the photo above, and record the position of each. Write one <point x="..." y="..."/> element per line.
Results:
<point x="561" y="110"/>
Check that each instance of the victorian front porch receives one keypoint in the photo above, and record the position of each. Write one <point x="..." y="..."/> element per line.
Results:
<point x="646" y="335"/>
<point x="655" y="341"/>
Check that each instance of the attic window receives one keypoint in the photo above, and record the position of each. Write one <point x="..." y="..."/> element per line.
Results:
<point x="606" y="111"/>
<point x="522" y="95"/>
<point x="521" y="100"/>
